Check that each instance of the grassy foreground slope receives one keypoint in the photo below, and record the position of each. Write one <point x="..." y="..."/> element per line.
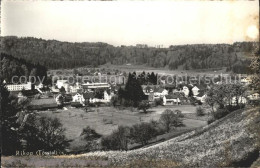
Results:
<point x="231" y="141"/>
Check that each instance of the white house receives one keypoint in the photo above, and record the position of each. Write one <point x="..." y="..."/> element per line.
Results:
<point x="78" y="98"/>
<point x="75" y="88"/>
<point x="39" y="86"/>
<point x="246" y="81"/>
<point x="107" y="97"/>
<point x="195" y="90"/>
<point x="254" y="96"/>
<point x="171" y="100"/>
<point x="241" y="100"/>
<point x="19" y="87"/>
<point x="185" y="90"/>
<point x="160" y="92"/>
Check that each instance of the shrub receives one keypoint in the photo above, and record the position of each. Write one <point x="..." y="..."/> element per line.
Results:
<point x="211" y="120"/>
<point x="37" y="96"/>
<point x="118" y="140"/>
<point x="179" y="113"/>
<point x="144" y="105"/>
<point x="142" y="133"/>
<point x="89" y="133"/>
<point x="222" y="112"/>
<point x="200" y="111"/>
<point x="158" y="102"/>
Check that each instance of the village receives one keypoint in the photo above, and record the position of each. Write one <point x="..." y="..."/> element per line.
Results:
<point x="84" y="94"/>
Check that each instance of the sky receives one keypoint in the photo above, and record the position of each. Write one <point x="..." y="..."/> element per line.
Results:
<point x="133" y="22"/>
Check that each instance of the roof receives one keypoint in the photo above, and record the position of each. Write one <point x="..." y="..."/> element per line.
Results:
<point x="160" y="90"/>
<point x="171" y="96"/>
<point x="201" y="94"/>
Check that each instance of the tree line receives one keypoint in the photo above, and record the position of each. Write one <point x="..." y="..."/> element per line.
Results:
<point x="55" y="54"/>
<point x="12" y="66"/>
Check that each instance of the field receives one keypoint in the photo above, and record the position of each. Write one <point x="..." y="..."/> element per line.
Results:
<point x="106" y="119"/>
<point x="141" y="68"/>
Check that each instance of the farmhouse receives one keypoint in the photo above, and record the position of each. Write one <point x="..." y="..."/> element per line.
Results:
<point x="171" y="99"/>
<point x="160" y="92"/>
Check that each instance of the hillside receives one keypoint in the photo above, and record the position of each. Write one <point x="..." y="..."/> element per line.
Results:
<point x="230" y="141"/>
<point x="17" y="67"/>
<point x="56" y="54"/>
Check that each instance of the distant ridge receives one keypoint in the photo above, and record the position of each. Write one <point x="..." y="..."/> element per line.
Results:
<point x="55" y="54"/>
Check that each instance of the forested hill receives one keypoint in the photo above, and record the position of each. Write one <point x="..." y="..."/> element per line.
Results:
<point x="18" y="67"/>
<point x="55" y="54"/>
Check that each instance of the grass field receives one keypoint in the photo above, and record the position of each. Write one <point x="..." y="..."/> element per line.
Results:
<point x="106" y="119"/>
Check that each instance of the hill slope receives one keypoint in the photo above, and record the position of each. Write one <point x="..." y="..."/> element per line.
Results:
<point x="56" y="54"/>
<point x="226" y="142"/>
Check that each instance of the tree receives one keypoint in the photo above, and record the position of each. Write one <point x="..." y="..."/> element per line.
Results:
<point x="142" y="133"/>
<point x="62" y="90"/>
<point x="118" y="140"/>
<point x="168" y="119"/>
<point x="200" y="111"/>
<point x="45" y="133"/>
<point x="255" y="67"/>
<point x="114" y="100"/>
<point x="190" y="92"/>
<point x="144" y="105"/>
<point x="9" y="136"/>
<point x="133" y="90"/>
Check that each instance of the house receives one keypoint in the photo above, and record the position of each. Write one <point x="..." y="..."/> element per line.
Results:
<point x="246" y="81"/>
<point x="39" y="86"/>
<point x="241" y="100"/>
<point x="78" y="98"/>
<point x="254" y="96"/>
<point x="108" y="95"/>
<point x="195" y="90"/>
<point x="185" y="90"/>
<point x="75" y="88"/>
<point x="19" y="87"/>
<point x="160" y="92"/>
<point x="147" y="89"/>
<point x="201" y="97"/>
<point x="171" y="99"/>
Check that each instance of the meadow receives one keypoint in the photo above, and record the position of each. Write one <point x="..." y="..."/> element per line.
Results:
<point x="104" y="120"/>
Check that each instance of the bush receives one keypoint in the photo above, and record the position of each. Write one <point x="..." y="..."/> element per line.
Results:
<point x="179" y="113"/>
<point x="158" y="102"/>
<point x="118" y="140"/>
<point x="89" y="133"/>
<point x="220" y="113"/>
<point x="142" y="133"/>
<point x="200" y="111"/>
<point x="144" y="105"/>
<point x="211" y="120"/>
<point x="232" y="108"/>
